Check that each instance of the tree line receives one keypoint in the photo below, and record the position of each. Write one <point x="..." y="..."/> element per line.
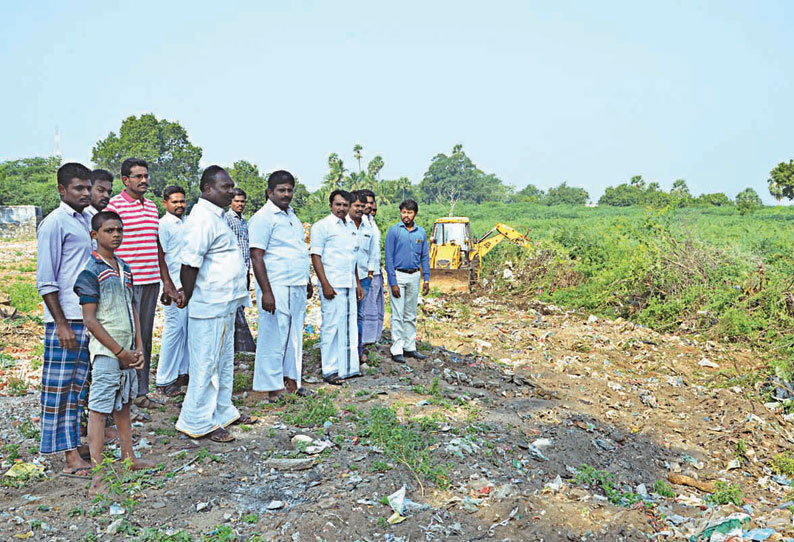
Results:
<point x="450" y="177"/>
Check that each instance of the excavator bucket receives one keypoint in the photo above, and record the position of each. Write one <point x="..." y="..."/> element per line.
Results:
<point x="450" y="280"/>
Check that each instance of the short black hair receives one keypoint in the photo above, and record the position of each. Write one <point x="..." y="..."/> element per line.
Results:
<point x="344" y="193"/>
<point x="209" y="176"/>
<point x="101" y="175"/>
<point x="280" y="177"/>
<point x="72" y="170"/>
<point x="172" y="189"/>
<point x="367" y="193"/>
<point x="239" y="192"/>
<point x="129" y="163"/>
<point x="103" y="216"/>
<point x="358" y="195"/>
<point x="409" y="204"/>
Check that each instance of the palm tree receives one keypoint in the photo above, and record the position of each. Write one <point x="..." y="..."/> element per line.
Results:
<point x="357" y="154"/>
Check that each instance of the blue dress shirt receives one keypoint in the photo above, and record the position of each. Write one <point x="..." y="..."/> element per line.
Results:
<point x="406" y="249"/>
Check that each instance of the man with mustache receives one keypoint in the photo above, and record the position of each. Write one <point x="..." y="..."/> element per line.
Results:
<point x="142" y="251"/>
<point x="101" y="190"/>
<point x="280" y="260"/>
<point x="213" y="287"/>
<point x="64" y="247"/>
<point x="172" y="368"/>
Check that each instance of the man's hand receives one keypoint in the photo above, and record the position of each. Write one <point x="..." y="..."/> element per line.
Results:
<point x="309" y="290"/>
<point x="268" y="302"/>
<point x="181" y="300"/>
<point x="359" y="292"/>
<point x="425" y="288"/>
<point x="328" y="292"/>
<point x="164" y="299"/>
<point x="66" y="337"/>
<point x="128" y="359"/>
<point x="395" y="292"/>
<point x="170" y="292"/>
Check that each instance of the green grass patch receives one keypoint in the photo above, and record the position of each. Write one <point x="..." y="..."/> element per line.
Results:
<point x="725" y="493"/>
<point x="310" y="411"/>
<point x="605" y="480"/>
<point x="23" y="296"/>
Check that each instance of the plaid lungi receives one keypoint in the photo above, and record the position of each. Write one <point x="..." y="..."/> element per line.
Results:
<point x="63" y="390"/>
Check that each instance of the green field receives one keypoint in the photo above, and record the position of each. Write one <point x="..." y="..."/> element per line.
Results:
<point x="694" y="270"/>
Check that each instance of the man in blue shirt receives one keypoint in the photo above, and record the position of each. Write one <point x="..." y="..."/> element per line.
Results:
<point x="407" y="253"/>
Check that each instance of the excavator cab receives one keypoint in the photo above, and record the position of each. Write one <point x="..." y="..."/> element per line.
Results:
<point x="452" y="251"/>
<point x="456" y="255"/>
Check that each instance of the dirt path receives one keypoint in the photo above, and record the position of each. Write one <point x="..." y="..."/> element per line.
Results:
<point x="494" y="436"/>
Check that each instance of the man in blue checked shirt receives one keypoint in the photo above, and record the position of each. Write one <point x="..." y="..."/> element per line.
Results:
<point x="407" y="256"/>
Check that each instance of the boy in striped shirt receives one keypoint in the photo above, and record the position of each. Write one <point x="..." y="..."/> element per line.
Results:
<point x="142" y="251"/>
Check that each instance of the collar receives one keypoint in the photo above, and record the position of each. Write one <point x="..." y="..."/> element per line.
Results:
<point x="173" y="218"/>
<point x="235" y="214"/>
<point x="275" y="209"/>
<point x="403" y="226"/>
<point x="99" y="259"/>
<point x="211" y="207"/>
<point x="335" y="219"/>
<point x="68" y="209"/>
<point x="130" y="199"/>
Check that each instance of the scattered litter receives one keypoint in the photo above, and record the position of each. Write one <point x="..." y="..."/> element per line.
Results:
<point x="116" y="509"/>
<point x="555" y="485"/>
<point x="707" y="363"/>
<point x="25" y="470"/>
<point x="730" y="526"/>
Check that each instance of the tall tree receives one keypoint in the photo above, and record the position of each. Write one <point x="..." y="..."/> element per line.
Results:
<point x="165" y="145"/>
<point x="374" y="166"/>
<point x="357" y="154"/>
<point x="781" y="181"/>
<point x="457" y="172"/>
<point x="246" y="176"/>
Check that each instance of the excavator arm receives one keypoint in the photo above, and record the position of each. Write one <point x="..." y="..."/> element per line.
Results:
<point x="499" y="233"/>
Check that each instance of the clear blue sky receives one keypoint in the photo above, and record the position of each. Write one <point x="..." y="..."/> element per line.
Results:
<point x="537" y="92"/>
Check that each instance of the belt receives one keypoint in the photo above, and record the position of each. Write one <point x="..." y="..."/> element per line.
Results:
<point x="409" y="271"/>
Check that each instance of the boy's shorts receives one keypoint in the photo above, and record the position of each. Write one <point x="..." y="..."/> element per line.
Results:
<point x="111" y="386"/>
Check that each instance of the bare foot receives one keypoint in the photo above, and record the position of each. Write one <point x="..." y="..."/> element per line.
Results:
<point x="98" y="487"/>
<point x="74" y="461"/>
<point x="290" y="385"/>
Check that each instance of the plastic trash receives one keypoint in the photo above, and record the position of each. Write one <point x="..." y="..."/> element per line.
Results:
<point x="25" y="470"/>
<point x="730" y="526"/>
<point x="758" y="535"/>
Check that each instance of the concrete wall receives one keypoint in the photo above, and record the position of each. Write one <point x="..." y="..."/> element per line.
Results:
<point x="19" y="221"/>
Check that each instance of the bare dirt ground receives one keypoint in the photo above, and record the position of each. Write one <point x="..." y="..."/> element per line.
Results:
<point x="502" y="433"/>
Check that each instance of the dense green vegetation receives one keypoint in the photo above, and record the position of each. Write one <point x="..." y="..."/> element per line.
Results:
<point x="706" y="270"/>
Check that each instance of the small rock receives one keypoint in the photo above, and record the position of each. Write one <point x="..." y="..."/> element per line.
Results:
<point x="113" y="528"/>
<point x="158" y="504"/>
<point x="592" y="319"/>
<point x="202" y="506"/>
<point x="275" y="505"/>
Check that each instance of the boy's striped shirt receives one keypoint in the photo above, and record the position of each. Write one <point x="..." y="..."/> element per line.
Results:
<point x="139" y="248"/>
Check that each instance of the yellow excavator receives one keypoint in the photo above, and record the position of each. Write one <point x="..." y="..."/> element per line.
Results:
<point x="456" y="255"/>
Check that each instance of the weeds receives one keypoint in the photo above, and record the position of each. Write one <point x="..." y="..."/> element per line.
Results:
<point x="606" y="481"/>
<point x="242" y="381"/>
<point x="405" y="445"/>
<point x="156" y="535"/>
<point x="725" y="493"/>
<point x="11" y="451"/>
<point x="29" y="430"/>
<point x="23" y="296"/>
<point x="16" y="387"/>
<point x="660" y="487"/>
<point x="310" y="411"/>
<point x="783" y="464"/>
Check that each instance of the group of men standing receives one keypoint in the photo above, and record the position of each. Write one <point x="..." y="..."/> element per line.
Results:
<point x="199" y="268"/>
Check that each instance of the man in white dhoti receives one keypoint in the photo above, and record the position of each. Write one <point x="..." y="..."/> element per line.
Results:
<point x="213" y="286"/>
<point x="333" y="252"/>
<point x="365" y="256"/>
<point x="172" y="368"/>
<point x="281" y="266"/>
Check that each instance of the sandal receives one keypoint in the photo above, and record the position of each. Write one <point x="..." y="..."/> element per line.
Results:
<point x="144" y="401"/>
<point x="73" y="473"/>
<point x="334" y="380"/>
<point x="173" y="390"/>
<point x="303" y="392"/>
<point x="244" y="419"/>
<point x="220" y="435"/>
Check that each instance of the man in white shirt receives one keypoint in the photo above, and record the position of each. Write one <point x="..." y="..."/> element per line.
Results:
<point x="365" y="257"/>
<point x="281" y="266"/>
<point x="374" y="302"/>
<point x="213" y="286"/>
<point x="172" y="369"/>
<point x="333" y="252"/>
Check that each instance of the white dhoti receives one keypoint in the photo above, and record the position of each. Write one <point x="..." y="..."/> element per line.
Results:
<point x="403" y="313"/>
<point x="208" y="402"/>
<point x="339" y="334"/>
<point x="279" y="343"/>
<point x="174" y="356"/>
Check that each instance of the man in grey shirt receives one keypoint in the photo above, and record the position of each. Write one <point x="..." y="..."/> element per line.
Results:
<point x="64" y="247"/>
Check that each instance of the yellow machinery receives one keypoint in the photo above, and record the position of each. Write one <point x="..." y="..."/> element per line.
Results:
<point x="456" y="255"/>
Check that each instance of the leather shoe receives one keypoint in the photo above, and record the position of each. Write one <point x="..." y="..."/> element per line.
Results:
<point x="398" y="358"/>
<point x="415" y="354"/>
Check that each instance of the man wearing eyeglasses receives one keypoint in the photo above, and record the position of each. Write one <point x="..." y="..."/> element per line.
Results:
<point x="142" y="251"/>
